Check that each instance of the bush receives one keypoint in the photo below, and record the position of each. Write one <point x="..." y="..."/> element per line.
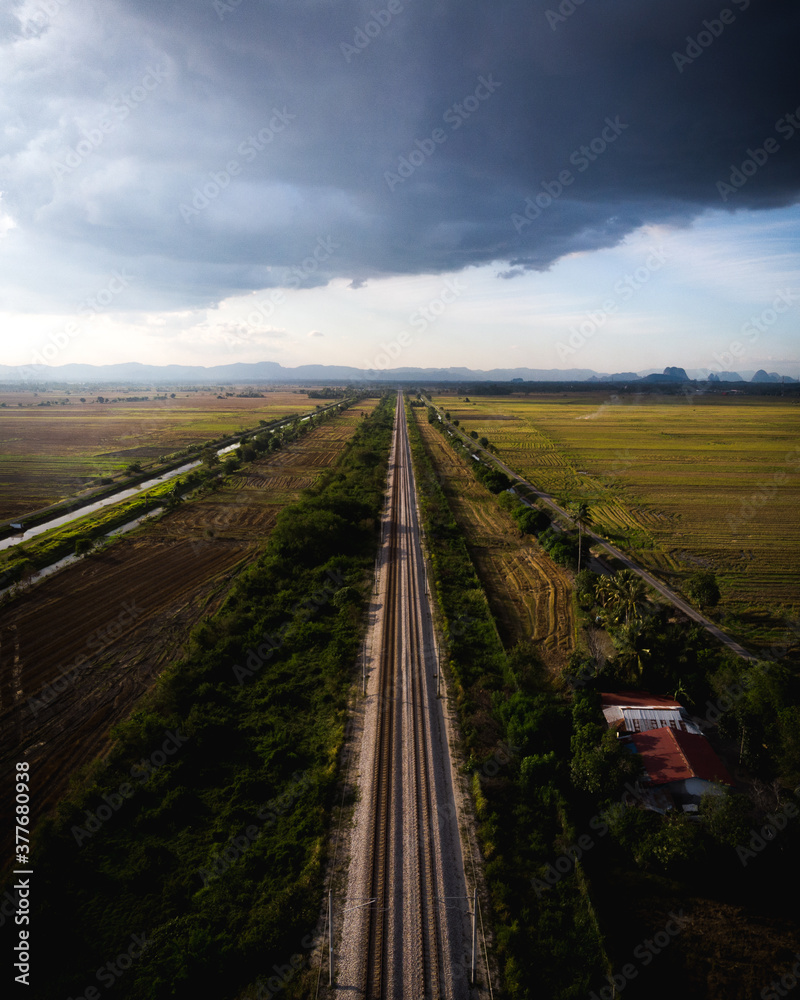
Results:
<point x="531" y="520"/>
<point x="702" y="588"/>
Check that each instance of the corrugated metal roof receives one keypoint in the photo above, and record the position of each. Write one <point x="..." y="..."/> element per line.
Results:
<point x="640" y="720"/>
<point x="673" y="755"/>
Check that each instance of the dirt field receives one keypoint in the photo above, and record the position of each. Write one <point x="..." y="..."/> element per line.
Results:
<point x="529" y="594"/>
<point x="50" y="448"/>
<point x="77" y="651"/>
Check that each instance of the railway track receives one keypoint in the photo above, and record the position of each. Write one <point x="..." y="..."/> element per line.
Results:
<point x="406" y="947"/>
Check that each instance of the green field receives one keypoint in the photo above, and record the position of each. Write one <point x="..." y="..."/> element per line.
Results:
<point x="682" y="484"/>
<point x="53" y="445"/>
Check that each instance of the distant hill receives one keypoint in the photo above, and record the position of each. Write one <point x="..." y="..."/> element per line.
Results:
<point x="668" y="375"/>
<point x="271" y="371"/>
<point x="762" y="376"/>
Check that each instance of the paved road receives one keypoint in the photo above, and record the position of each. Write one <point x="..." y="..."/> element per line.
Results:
<point x="612" y="550"/>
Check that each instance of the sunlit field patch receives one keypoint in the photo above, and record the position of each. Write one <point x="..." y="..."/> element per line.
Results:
<point x="682" y="483"/>
<point x="53" y="445"/>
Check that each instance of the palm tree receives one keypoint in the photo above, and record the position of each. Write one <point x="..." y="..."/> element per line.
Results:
<point x="633" y="642"/>
<point x="625" y="594"/>
<point x="582" y="516"/>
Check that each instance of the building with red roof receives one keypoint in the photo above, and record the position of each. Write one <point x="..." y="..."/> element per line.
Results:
<point x="679" y="762"/>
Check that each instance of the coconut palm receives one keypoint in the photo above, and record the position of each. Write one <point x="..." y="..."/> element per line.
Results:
<point x="633" y="648"/>
<point x="582" y="516"/>
<point x="625" y="595"/>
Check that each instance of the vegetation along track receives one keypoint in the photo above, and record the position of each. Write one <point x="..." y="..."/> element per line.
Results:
<point x="404" y="927"/>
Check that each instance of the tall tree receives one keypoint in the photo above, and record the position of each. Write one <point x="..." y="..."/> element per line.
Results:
<point x="582" y="516"/>
<point x="624" y="594"/>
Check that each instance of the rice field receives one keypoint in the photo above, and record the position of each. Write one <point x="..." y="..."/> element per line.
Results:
<point x="528" y="593"/>
<point x="682" y="483"/>
<point x="56" y="443"/>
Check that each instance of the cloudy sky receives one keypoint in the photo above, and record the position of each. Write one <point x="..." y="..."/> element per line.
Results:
<point x="607" y="184"/>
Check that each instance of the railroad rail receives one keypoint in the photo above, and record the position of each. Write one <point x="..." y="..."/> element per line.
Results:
<point x="408" y="912"/>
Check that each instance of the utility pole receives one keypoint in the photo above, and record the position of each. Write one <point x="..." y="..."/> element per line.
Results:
<point x="330" y="938"/>
<point x="474" y="932"/>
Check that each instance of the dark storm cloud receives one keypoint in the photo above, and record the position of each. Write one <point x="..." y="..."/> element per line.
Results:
<point x="220" y="146"/>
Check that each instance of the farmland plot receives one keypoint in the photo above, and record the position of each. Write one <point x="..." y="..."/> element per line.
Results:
<point x="50" y="448"/>
<point x="78" y="651"/>
<point x="530" y="596"/>
<point x="683" y="483"/>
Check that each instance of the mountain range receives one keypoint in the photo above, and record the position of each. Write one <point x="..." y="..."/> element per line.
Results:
<point x="271" y="371"/>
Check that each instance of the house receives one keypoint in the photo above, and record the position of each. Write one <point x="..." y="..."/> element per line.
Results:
<point x="638" y="712"/>
<point x="681" y="765"/>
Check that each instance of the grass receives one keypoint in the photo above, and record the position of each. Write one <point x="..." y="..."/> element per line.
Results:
<point x="682" y="484"/>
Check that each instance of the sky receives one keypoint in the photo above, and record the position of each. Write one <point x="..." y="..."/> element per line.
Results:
<point x="604" y="184"/>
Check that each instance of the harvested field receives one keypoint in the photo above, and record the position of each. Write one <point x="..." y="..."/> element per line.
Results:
<point x="682" y="483"/>
<point x="79" y="650"/>
<point x="50" y="448"/>
<point x="530" y="596"/>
